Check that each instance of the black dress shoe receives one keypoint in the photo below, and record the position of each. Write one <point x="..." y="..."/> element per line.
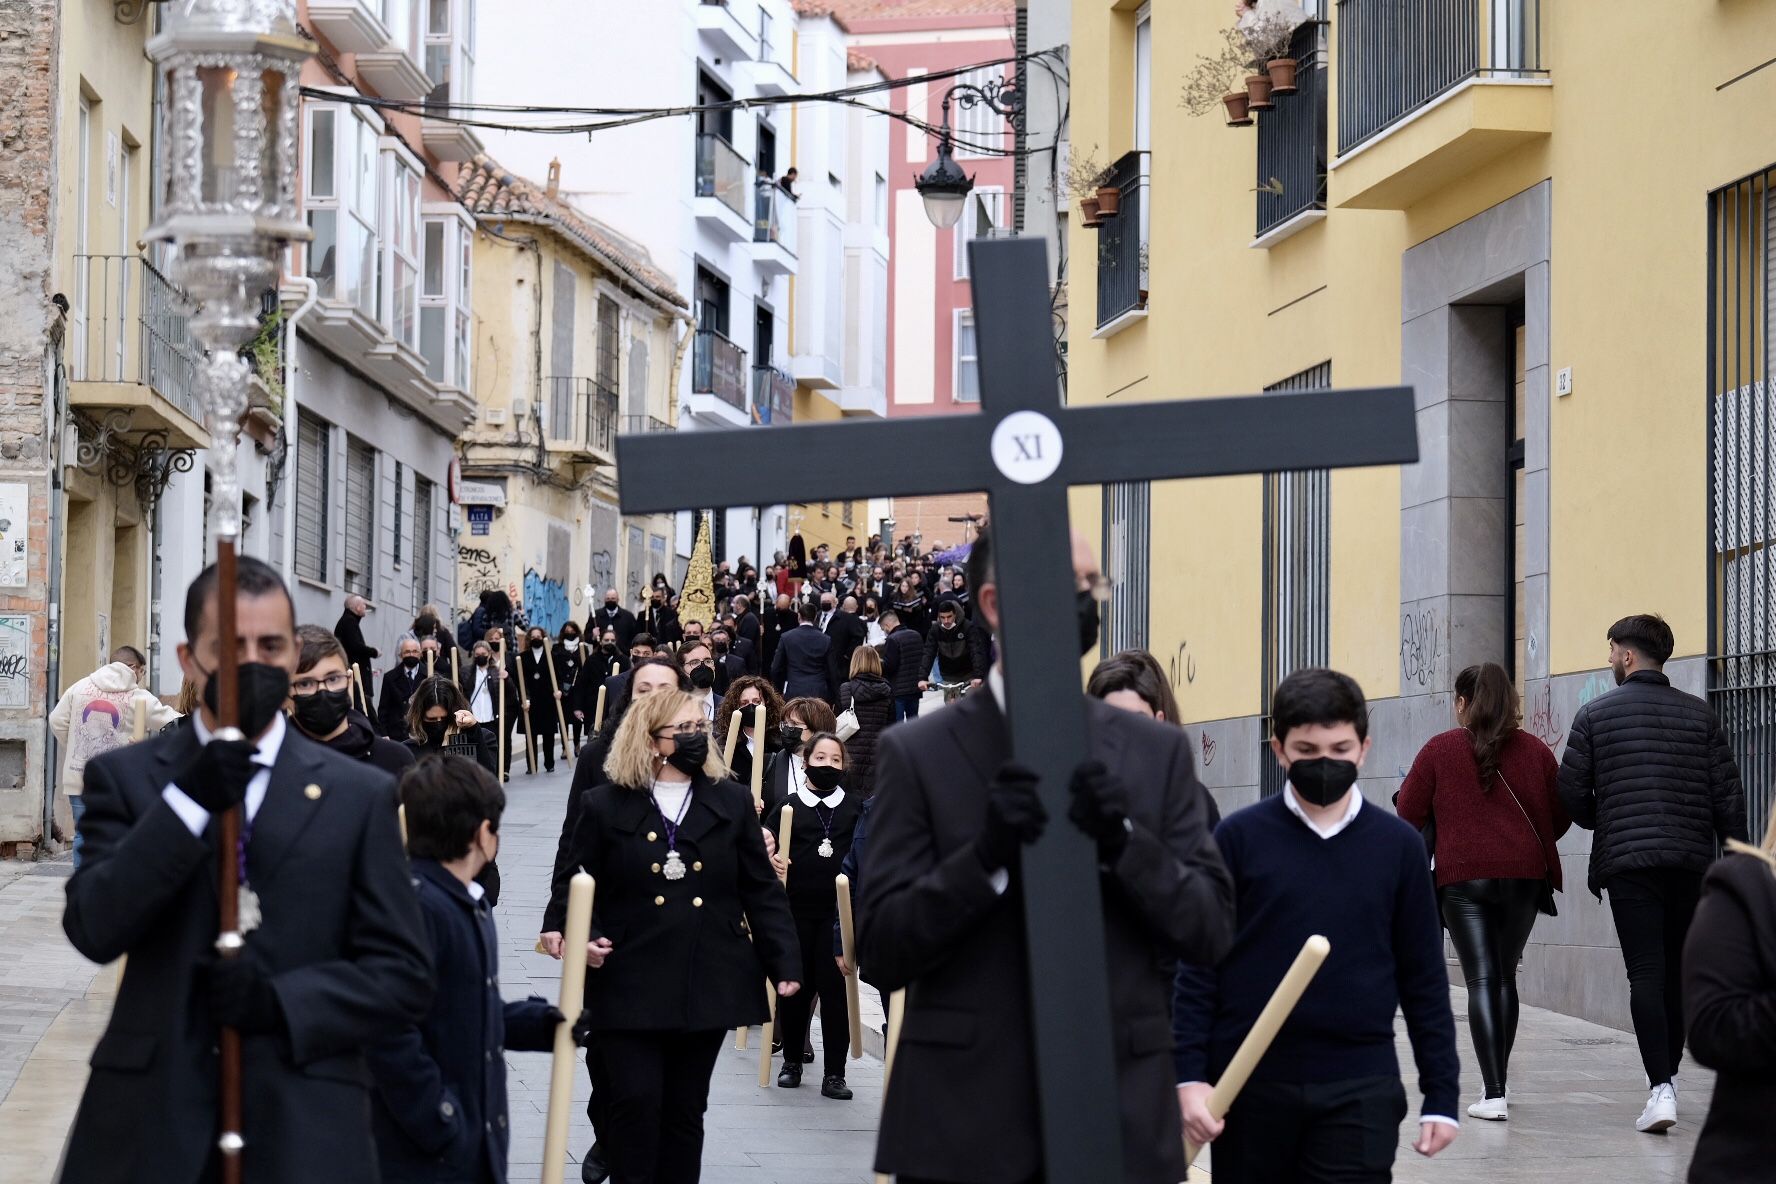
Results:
<point x="834" y="1087"/>
<point x="791" y="1077"/>
<point x="593" y="1169"/>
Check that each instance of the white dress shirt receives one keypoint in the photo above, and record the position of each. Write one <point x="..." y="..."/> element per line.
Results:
<point x="194" y="816"/>
<point x="481" y="702"/>
<point x="1327" y="830"/>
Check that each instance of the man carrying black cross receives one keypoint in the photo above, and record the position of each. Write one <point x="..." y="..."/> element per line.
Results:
<point x="943" y="917"/>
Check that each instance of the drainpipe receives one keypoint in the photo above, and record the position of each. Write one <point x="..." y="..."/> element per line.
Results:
<point x="312" y="293"/>
<point x="58" y="411"/>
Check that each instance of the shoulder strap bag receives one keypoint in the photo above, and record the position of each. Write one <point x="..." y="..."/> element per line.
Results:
<point x="1546" y="903"/>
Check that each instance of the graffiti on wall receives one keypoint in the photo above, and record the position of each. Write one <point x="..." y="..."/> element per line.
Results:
<point x="604" y="573"/>
<point x="15" y="661"/>
<point x="545" y="602"/>
<point x="1421" y="637"/>
<point x="1540" y="718"/>
<point x="478" y="570"/>
<point x="1181" y="666"/>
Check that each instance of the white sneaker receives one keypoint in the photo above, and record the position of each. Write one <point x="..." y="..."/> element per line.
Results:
<point x="1491" y="1109"/>
<point x="1660" y="1113"/>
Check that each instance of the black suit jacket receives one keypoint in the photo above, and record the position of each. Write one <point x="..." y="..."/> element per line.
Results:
<point x="962" y="1102"/>
<point x="350" y="632"/>
<point x="397" y="691"/>
<point x="622" y="622"/>
<point x="847" y="632"/>
<point x="803" y="665"/>
<point x="342" y="942"/>
<point x="687" y="964"/>
<point x="747" y="626"/>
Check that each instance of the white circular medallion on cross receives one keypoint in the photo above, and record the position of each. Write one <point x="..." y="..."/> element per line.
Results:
<point x="1027" y="447"/>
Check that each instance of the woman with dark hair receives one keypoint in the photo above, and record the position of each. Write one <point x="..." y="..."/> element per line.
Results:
<point x="1133" y="681"/>
<point x="682" y="876"/>
<point x="786" y="774"/>
<point x="743" y="695"/>
<point x="320" y="704"/>
<point x="911" y="606"/>
<point x="1489" y="788"/>
<point x="439" y="720"/>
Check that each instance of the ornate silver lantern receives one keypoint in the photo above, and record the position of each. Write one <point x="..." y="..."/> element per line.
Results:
<point x="232" y="78"/>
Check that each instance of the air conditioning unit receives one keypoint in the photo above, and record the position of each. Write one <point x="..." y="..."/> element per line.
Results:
<point x="495" y="415"/>
<point x="521" y="408"/>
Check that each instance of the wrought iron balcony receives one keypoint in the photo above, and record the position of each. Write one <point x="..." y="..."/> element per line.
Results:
<point x="773" y="395"/>
<point x="129" y="325"/>
<point x="1397" y="56"/>
<point x="1121" y="267"/>
<point x="1292" y="138"/>
<point x="631" y="424"/>
<point x="774" y="219"/>
<point x="723" y="173"/>
<point x="579" y="415"/>
<point x="718" y="368"/>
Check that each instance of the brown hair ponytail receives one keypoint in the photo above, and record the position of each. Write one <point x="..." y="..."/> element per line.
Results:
<point x="1492" y="714"/>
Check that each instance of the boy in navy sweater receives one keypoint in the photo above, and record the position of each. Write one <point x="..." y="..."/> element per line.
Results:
<point x="1326" y="1101"/>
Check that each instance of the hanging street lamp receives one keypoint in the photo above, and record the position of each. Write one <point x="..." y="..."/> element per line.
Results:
<point x="231" y="75"/>
<point x="944" y="185"/>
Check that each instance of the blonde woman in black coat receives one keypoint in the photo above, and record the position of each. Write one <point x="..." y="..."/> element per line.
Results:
<point x="868" y="694"/>
<point x="682" y="875"/>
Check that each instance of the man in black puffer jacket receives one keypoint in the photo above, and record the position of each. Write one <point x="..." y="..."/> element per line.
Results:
<point x="1648" y="768"/>
<point x="903" y="653"/>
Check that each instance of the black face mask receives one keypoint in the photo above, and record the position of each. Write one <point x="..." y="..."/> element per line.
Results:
<point x="791" y="737"/>
<point x="319" y="713"/>
<point x="689" y="753"/>
<point x="825" y="778"/>
<point x="1088" y="623"/>
<point x="434" y="732"/>
<point x="262" y="692"/>
<point x="609" y="647"/>
<point x="536" y="645"/>
<point x="703" y="677"/>
<point x="1322" y="780"/>
<point x="410" y="663"/>
<point x="482" y="659"/>
<point x="721" y="647"/>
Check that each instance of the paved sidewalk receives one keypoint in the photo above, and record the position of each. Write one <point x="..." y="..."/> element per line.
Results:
<point x="1576" y="1087"/>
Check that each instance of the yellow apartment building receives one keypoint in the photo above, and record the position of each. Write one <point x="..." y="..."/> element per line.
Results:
<point x="1554" y="222"/>
<point x="578" y="336"/>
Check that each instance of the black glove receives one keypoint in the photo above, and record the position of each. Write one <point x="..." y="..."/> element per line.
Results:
<point x="1100" y="806"/>
<point x="1015" y="816"/>
<point x="241" y="996"/>
<point x="582" y="1029"/>
<point x="216" y="776"/>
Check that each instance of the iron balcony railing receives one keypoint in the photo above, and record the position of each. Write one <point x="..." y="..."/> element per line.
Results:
<point x="773" y="395"/>
<point x="129" y="323"/>
<point x="1395" y="56"/>
<point x="1121" y="270"/>
<point x="723" y="173"/>
<point x="580" y="413"/>
<point x="718" y="368"/>
<point x="643" y="423"/>
<point x="1292" y="138"/>
<point x="774" y="218"/>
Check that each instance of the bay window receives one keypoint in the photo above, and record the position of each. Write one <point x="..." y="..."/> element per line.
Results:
<point x="401" y="19"/>
<point x="449" y="50"/>
<point x="444" y="324"/>
<point x="342" y="197"/>
<point x="401" y="266"/>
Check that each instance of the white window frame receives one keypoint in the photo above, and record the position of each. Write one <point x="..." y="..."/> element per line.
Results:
<point x="960" y="317"/>
<point x="964" y="231"/>
<point x="355" y="203"/>
<point x="403" y="186"/>
<point x="453" y="300"/>
<point x="405" y="22"/>
<point x="456" y="41"/>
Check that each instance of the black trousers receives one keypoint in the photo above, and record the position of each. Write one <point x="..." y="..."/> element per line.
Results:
<point x="1489" y="921"/>
<point x="1652" y="910"/>
<point x="1338" y="1132"/>
<point x="656" y="1088"/>
<point x="821" y="978"/>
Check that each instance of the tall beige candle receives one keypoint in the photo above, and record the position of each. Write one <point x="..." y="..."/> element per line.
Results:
<point x="573" y="1000"/>
<point x="758" y="757"/>
<point x="598" y="713"/>
<point x="788" y="819"/>
<point x="848" y="943"/>
<point x="358" y="682"/>
<point x="896" y="1015"/>
<point x="733" y="740"/>
<point x="1264" y="1029"/>
<point x="765" y="1037"/>
<point x="560" y="710"/>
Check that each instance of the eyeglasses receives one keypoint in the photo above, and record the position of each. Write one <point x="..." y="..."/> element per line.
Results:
<point x="701" y="727"/>
<point x="693" y="663"/>
<point x="333" y="682"/>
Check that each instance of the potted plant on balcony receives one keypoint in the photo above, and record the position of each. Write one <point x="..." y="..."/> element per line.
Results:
<point x="1215" y="83"/>
<point x="1267" y="28"/>
<point x="1088" y="181"/>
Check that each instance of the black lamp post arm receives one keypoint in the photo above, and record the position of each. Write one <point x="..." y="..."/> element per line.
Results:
<point x="1000" y="95"/>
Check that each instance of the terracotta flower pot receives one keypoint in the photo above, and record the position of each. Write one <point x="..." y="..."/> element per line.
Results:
<point x="1109" y="200"/>
<point x="1282" y="75"/>
<point x="1238" y="108"/>
<point x="1258" y="92"/>
<point x="1092" y="217"/>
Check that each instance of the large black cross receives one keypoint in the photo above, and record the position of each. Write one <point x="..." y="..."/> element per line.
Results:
<point x="1025" y="448"/>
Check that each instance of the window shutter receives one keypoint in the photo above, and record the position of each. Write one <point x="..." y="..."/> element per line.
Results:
<point x="360" y="516"/>
<point x="311" y="497"/>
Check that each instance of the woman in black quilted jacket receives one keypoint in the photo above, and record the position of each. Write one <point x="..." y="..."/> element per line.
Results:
<point x="868" y="694"/>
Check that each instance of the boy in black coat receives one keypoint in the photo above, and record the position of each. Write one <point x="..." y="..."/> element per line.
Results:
<point x="440" y="1102"/>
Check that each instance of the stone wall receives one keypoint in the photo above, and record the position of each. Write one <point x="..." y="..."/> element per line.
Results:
<point x="29" y="47"/>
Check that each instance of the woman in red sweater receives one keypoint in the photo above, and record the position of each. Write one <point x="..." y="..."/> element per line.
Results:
<point x="1490" y="788"/>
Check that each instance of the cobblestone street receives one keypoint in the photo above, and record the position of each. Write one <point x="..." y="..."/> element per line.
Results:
<point x="1576" y="1086"/>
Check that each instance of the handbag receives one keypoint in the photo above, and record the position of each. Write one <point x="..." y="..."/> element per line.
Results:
<point x="848" y="726"/>
<point x="1546" y="903"/>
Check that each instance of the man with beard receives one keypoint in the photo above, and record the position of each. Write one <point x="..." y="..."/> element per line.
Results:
<point x="956" y="650"/>
<point x="337" y="956"/>
<point x="952" y="812"/>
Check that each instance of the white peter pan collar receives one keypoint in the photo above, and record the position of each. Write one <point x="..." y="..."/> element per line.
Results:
<point x="830" y="801"/>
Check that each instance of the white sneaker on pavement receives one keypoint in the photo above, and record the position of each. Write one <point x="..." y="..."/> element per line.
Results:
<point x="1491" y="1109"/>
<point x="1661" y="1111"/>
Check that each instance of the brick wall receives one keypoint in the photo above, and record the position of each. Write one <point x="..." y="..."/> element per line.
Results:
<point x="930" y="517"/>
<point x="28" y="127"/>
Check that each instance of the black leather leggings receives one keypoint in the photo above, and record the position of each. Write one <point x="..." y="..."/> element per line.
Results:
<point x="1489" y="922"/>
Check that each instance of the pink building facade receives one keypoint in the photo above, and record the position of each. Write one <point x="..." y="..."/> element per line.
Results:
<point x="931" y="362"/>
